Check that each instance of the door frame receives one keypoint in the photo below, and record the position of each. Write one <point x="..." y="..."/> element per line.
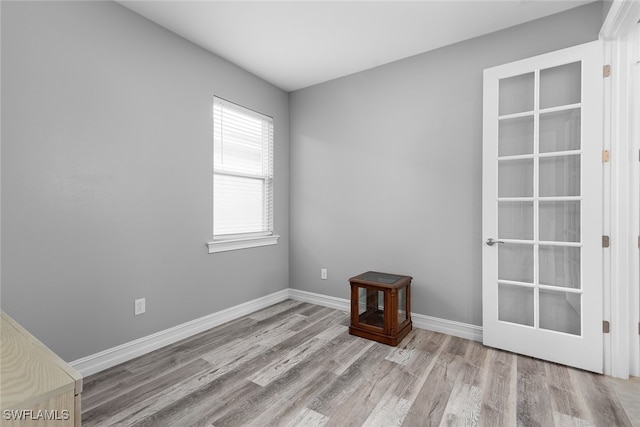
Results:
<point x="621" y="205"/>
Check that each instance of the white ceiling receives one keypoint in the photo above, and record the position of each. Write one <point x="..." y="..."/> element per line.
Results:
<point x="295" y="44"/>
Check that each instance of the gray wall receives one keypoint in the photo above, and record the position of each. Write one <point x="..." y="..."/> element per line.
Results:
<point x="386" y="168"/>
<point x="106" y="177"/>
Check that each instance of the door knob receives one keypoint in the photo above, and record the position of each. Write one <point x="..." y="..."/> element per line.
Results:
<point x="491" y="241"/>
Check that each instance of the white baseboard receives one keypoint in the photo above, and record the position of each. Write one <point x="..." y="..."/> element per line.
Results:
<point x="105" y="359"/>
<point x="420" y="321"/>
<point x="449" y="327"/>
<point x="127" y="351"/>
<point x="319" y="299"/>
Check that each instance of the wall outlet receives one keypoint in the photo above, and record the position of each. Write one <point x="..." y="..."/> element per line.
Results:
<point x="139" y="306"/>
<point x="323" y="273"/>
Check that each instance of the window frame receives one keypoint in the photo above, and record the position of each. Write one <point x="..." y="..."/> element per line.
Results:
<point x="249" y="239"/>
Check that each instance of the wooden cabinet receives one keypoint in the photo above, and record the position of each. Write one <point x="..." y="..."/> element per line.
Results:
<point x="381" y="307"/>
<point x="37" y="388"/>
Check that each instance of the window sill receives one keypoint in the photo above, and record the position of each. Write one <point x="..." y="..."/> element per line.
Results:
<point x="244" y="243"/>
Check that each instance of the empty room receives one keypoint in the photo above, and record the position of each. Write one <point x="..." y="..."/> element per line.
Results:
<point x="320" y="213"/>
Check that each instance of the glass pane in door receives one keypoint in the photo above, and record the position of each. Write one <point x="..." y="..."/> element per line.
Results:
<point x="515" y="136"/>
<point x="560" y="266"/>
<point x="515" y="263"/>
<point x="516" y="94"/>
<point x="515" y="220"/>
<point x="515" y="304"/>
<point x="560" y="176"/>
<point x="560" y="131"/>
<point x="515" y="178"/>
<point x="560" y="311"/>
<point x="560" y="85"/>
<point x="560" y="221"/>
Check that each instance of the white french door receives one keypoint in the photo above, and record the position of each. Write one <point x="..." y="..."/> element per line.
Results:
<point x="542" y="207"/>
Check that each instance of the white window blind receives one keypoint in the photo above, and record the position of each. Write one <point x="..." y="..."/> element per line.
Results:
<point x="242" y="172"/>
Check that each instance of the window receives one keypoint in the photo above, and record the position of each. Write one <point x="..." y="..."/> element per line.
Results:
<point x="242" y="178"/>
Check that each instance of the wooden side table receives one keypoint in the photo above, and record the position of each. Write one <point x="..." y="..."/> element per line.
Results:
<point x="381" y="307"/>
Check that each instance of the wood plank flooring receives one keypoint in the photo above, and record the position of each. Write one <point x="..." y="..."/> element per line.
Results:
<point x="294" y="364"/>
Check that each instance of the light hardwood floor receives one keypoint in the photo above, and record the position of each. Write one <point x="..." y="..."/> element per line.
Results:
<point x="294" y="364"/>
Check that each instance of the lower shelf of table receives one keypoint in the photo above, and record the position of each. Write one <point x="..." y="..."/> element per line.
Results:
<point x="372" y="317"/>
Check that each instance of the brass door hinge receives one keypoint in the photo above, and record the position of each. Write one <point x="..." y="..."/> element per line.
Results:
<point x="606" y="71"/>
<point x="605" y="241"/>
<point x="606" y="156"/>
<point x="605" y="326"/>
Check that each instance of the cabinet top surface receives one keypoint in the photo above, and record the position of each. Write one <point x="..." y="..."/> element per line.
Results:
<point x="381" y="279"/>
<point x="30" y="372"/>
